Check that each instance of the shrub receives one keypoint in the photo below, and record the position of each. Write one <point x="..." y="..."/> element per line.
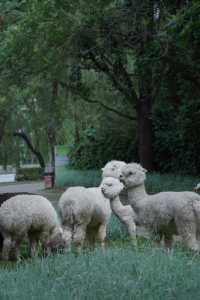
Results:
<point x="176" y="138"/>
<point x="97" y="147"/>
<point x="24" y="174"/>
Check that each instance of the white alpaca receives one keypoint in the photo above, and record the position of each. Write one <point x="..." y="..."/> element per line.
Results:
<point x="111" y="188"/>
<point x="113" y="169"/>
<point x="84" y="212"/>
<point x="165" y="213"/>
<point x="32" y="217"/>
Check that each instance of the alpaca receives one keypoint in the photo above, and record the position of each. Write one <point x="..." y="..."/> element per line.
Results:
<point x="165" y="213"/>
<point x="85" y="212"/>
<point x="111" y="188"/>
<point x="113" y="169"/>
<point x="32" y="217"/>
<point x="3" y="198"/>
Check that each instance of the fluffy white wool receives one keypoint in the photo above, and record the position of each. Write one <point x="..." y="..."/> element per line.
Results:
<point x="197" y="188"/>
<point x="165" y="213"/>
<point x="84" y="211"/>
<point x="30" y="216"/>
<point x="113" y="168"/>
<point x="111" y="188"/>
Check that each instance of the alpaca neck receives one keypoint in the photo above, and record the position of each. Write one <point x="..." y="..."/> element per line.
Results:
<point x="136" y="195"/>
<point x="116" y="205"/>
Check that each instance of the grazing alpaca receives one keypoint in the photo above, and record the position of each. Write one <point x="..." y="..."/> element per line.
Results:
<point x="111" y="187"/>
<point x="165" y="213"/>
<point x="3" y="198"/>
<point x="32" y="217"/>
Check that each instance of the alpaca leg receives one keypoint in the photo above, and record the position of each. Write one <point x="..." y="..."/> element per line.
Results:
<point x="79" y="236"/>
<point x="131" y="227"/>
<point x="34" y="247"/>
<point x="188" y="233"/>
<point x="91" y="236"/>
<point x="101" y="235"/>
<point x="44" y="238"/>
<point x="33" y="240"/>
<point x="168" y="240"/>
<point x="15" y="249"/>
<point x="67" y="233"/>
<point x="7" y="244"/>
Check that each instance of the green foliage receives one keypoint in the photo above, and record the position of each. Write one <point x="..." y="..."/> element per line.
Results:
<point x="97" y="147"/>
<point x="122" y="50"/>
<point x="29" y="174"/>
<point x="176" y="134"/>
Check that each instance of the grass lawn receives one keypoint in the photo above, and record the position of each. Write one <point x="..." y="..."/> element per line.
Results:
<point x="155" y="182"/>
<point x="121" y="271"/>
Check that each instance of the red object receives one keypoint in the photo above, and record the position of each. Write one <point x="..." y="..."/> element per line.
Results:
<point x="49" y="181"/>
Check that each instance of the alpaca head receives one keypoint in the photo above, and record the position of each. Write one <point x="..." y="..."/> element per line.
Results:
<point x="57" y="238"/>
<point x="111" y="187"/>
<point x="133" y="175"/>
<point x="113" y="168"/>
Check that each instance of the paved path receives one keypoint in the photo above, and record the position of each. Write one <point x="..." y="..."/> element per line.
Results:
<point x="30" y="187"/>
<point x="35" y="187"/>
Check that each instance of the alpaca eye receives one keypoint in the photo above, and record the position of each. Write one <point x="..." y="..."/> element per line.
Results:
<point x="132" y="173"/>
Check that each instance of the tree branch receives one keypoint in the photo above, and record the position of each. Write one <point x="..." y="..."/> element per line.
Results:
<point x="39" y="156"/>
<point x="102" y="66"/>
<point x="86" y="99"/>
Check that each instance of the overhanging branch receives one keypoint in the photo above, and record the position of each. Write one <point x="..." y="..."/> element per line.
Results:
<point x="39" y="156"/>
<point x="87" y="99"/>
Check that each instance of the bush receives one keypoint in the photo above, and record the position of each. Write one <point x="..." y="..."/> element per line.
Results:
<point x="176" y="138"/>
<point x="97" y="147"/>
<point x="24" y="174"/>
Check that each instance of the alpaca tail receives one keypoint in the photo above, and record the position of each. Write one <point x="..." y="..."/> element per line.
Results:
<point x="70" y="215"/>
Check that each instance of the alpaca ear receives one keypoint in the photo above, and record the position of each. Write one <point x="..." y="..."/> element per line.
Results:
<point x="102" y="169"/>
<point x="144" y="170"/>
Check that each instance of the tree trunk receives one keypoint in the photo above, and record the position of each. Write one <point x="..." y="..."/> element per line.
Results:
<point x="51" y="131"/>
<point x="145" y="132"/>
<point x="31" y="147"/>
<point x="52" y="143"/>
<point x="2" y="128"/>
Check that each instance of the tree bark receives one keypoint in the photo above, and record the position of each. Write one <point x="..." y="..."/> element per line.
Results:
<point x="145" y="132"/>
<point x="51" y="131"/>
<point x="2" y="128"/>
<point x="37" y="153"/>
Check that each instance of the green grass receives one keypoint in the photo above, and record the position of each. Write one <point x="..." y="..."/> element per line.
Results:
<point x="69" y="177"/>
<point x="121" y="271"/>
<point x="155" y="182"/>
